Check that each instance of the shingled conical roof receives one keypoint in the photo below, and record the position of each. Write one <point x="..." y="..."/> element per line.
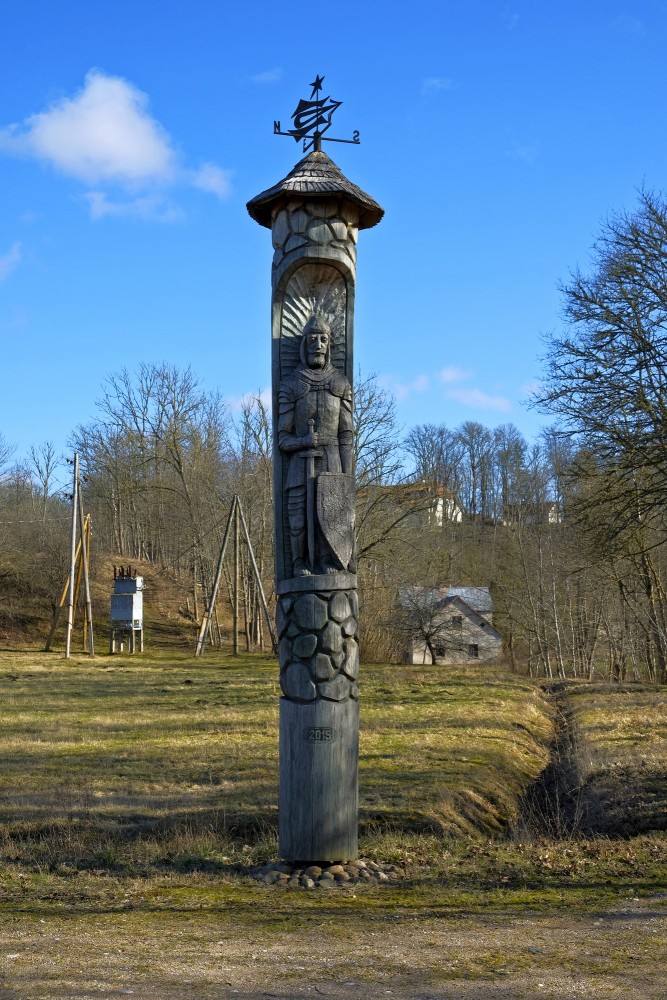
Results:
<point x="316" y="176"/>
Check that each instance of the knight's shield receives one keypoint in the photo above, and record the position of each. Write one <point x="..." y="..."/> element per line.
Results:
<point x="335" y="513"/>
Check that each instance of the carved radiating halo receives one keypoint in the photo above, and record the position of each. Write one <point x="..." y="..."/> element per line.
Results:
<point x="313" y="288"/>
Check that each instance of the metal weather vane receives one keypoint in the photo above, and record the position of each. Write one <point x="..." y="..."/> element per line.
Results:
<point x="313" y="118"/>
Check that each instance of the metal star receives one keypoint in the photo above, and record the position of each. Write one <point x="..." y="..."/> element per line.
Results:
<point x="316" y="85"/>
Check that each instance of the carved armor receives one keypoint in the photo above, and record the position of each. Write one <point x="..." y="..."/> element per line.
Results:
<point x="315" y="433"/>
<point x="324" y="397"/>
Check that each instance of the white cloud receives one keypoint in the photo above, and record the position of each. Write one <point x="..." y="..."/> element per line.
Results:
<point x="420" y="384"/>
<point x="404" y="389"/>
<point x="105" y="136"/>
<point x="103" y="133"/>
<point x="453" y="374"/>
<point x="18" y="320"/>
<point x="212" y="179"/>
<point x="268" y="76"/>
<point x="150" y="207"/>
<point x="479" y="399"/>
<point x="10" y="260"/>
<point x="237" y="403"/>
<point x="626" y="24"/>
<point x="523" y="151"/>
<point x="434" y="84"/>
<point x="449" y="376"/>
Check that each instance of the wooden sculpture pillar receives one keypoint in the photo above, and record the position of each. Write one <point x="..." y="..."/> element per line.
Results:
<point x="314" y="215"/>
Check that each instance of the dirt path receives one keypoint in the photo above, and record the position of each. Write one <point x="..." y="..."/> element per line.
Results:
<point x="619" y="952"/>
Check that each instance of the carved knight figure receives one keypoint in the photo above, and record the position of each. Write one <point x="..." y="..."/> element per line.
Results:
<point x="315" y="435"/>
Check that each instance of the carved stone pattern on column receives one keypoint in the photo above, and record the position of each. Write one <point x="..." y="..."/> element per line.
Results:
<point x="317" y="224"/>
<point x="319" y="646"/>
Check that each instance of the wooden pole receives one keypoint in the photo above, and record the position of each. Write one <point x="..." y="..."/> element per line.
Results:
<point x="237" y="516"/>
<point x="265" y="605"/>
<point x="86" y="532"/>
<point x="61" y="604"/>
<point x="216" y="627"/>
<point x="235" y="650"/>
<point x="70" y="602"/>
<point x="85" y="554"/>
<point x="77" y="582"/>
<point x="206" y="620"/>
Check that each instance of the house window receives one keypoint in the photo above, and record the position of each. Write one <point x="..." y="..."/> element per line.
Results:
<point x="457" y="621"/>
<point x="473" y="650"/>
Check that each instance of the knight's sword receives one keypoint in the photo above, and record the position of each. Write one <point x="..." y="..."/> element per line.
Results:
<point x="311" y="455"/>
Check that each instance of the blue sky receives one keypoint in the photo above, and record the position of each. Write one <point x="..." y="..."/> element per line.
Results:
<point x="497" y="136"/>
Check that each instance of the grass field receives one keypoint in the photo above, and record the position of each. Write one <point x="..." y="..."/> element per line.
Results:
<point x="136" y="792"/>
<point x="620" y="755"/>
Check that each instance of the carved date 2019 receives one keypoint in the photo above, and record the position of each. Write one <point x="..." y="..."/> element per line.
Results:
<point x="320" y="734"/>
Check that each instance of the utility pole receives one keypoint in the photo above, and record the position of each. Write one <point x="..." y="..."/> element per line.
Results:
<point x="85" y="555"/>
<point x="236" y="577"/>
<point x="72" y="561"/>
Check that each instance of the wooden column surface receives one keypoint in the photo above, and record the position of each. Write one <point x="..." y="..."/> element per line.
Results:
<point x="319" y="754"/>
<point x="315" y="214"/>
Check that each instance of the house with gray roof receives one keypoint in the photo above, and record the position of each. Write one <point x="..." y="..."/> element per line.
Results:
<point x="449" y="625"/>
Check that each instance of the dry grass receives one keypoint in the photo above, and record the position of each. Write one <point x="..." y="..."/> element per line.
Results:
<point x="619" y="756"/>
<point x="134" y="792"/>
<point x="449" y="750"/>
<point x="127" y="761"/>
<point x="106" y="754"/>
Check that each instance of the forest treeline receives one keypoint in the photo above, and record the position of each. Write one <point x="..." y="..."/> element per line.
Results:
<point x="567" y="531"/>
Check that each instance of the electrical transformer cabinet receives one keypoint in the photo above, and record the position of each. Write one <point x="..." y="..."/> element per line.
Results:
<point x="127" y="609"/>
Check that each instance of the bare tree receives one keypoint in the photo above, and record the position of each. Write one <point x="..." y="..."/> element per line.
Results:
<point x="6" y="452"/>
<point x="437" y="453"/>
<point x="606" y="378"/>
<point x="43" y="463"/>
<point x="384" y="501"/>
<point x="155" y="459"/>
<point x="477" y="455"/>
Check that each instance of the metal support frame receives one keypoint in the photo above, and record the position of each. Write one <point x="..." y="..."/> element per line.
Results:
<point x="120" y="633"/>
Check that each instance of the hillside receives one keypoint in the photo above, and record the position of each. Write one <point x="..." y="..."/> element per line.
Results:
<point x="26" y="608"/>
